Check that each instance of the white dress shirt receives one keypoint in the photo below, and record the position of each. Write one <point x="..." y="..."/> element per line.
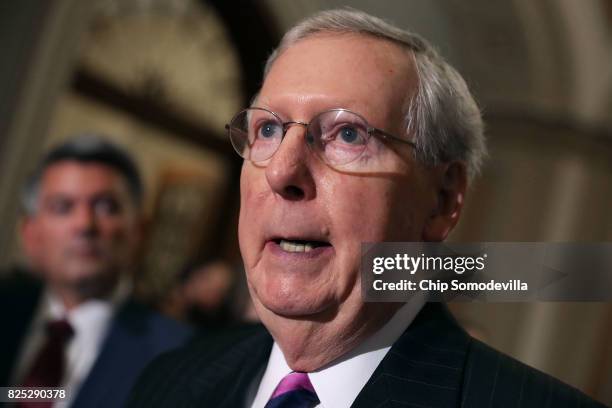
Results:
<point x="338" y="384"/>
<point x="90" y="322"/>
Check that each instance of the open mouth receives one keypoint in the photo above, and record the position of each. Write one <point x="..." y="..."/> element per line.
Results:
<point x="295" y="245"/>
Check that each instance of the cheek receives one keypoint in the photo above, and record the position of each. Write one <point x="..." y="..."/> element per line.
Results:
<point x="248" y="188"/>
<point x="50" y="248"/>
<point x="243" y="234"/>
<point x="378" y="210"/>
<point x="120" y="234"/>
<point x="114" y="230"/>
<point x="251" y="205"/>
<point x="53" y="237"/>
<point x="409" y="211"/>
<point x="363" y="213"/>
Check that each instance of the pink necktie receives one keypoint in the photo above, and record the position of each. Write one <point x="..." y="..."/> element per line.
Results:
<point x="294" y="391"/>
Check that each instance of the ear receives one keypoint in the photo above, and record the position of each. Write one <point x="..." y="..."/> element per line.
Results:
<point x="451" y="179"/>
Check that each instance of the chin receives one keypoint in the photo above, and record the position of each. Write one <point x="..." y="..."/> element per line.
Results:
<point x="88" y="273"/>
<point x="92" y="278"/>
<point x="292" y="305"/>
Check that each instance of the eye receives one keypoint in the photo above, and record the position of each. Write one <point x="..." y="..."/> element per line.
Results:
<point x="59" y="206"/>
<point x="269" y="130"/>
<point x="107" y="206"/>
<point x="349" y="135"/>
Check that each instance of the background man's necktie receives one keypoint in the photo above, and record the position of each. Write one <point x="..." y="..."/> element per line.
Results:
<point x="48" y="367"/>
<point x="294" y="391"/>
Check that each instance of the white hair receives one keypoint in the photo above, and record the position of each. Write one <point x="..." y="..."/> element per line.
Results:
<point x="442" y="116"/>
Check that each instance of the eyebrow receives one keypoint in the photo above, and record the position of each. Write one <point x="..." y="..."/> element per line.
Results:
<point x="64" y="195"/>
<point x="321" y="106"/>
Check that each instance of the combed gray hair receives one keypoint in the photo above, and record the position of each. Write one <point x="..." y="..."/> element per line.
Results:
<point x="442" y="115"/>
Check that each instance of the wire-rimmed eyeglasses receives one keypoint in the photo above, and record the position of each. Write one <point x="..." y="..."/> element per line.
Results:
<point x="338" y="136"/>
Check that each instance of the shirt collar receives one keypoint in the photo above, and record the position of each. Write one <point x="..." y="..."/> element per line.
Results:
<point x="92" y="314"/>
<point x="349" y="373"/>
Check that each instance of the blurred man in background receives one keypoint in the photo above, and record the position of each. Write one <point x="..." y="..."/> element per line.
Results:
<point x="71" y="323"/>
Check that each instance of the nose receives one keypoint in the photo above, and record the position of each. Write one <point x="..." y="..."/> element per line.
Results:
<point x="84" y="220"/>
<point x="289" y="172"/>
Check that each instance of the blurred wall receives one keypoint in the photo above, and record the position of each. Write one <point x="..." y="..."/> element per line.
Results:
<point x="41" y="42"/>
<point x="157" y="77"/>
<point x="544" y="183"/>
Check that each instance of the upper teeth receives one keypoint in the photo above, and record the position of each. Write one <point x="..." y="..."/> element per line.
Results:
<point x="295" y="247"/>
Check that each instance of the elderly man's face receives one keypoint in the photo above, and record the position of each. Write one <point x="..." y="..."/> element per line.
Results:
<point x="85" y="229"/>
<point x="295" y="199"/>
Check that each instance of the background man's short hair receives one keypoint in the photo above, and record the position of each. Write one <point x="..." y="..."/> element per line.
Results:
<point x="85" y="148"/>
<point x="442" y="115"/>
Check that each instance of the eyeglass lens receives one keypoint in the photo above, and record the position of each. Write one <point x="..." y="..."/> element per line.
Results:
<point x="337" y="136"/>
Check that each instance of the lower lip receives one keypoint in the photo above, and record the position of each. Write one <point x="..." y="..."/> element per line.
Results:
<point x="314" y="253"/>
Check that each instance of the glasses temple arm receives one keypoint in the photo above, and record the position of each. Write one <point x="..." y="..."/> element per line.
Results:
<point x="390" y="136"/>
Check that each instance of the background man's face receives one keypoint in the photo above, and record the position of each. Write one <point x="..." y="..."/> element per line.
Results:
<point x="296" y="198"/>
<point x="85" y="230"/>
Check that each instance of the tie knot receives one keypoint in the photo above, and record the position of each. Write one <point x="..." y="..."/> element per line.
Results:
<point x="294" y="391"/>
<point x="59" y="329"/>
<point x="293" y="382"/>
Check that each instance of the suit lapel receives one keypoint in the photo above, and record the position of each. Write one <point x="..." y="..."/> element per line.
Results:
<point x="423" y="368"/>
<point x="19" y="300"/>
<point x="123" y="355"/>
<point x="225" y="381"/>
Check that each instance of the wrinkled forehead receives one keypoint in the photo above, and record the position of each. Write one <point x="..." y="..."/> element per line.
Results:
<point x="341" y="70"/>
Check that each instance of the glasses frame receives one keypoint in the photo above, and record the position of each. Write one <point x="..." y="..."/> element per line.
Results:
<point x="370" y="130"/>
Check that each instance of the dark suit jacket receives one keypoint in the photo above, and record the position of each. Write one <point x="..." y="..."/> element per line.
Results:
<point x="136" y="336"/>
<point x="433" y="364"/>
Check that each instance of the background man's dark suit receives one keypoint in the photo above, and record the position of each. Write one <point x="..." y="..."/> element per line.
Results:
<point x="433" y="364"/>
<point x="136" y="336"/>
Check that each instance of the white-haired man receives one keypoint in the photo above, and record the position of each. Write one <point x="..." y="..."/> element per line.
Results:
<point x="360" y="133"/>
